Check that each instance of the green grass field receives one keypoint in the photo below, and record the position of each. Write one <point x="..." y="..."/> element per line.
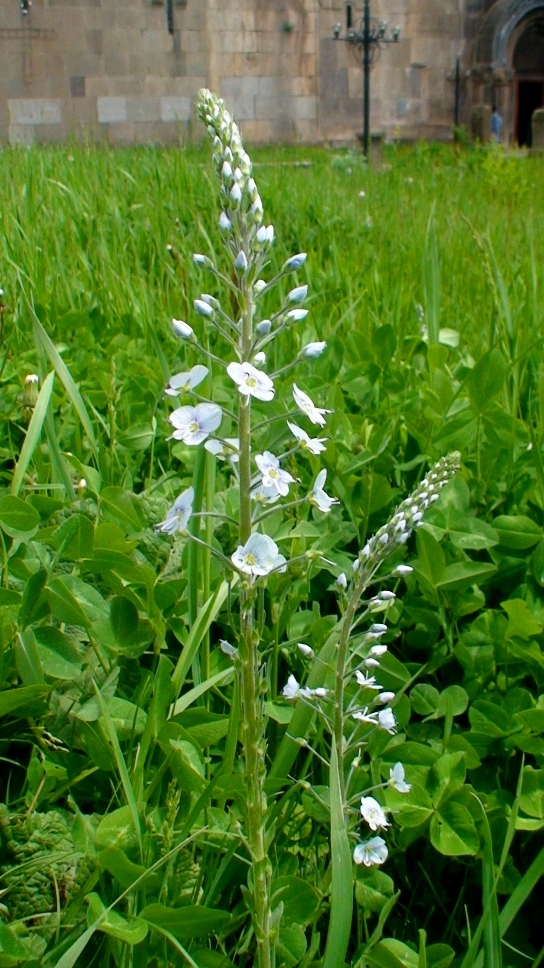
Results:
<point x="118" y="716"/>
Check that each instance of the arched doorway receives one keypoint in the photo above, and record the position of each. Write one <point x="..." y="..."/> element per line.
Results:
<point x="528" y="66"/>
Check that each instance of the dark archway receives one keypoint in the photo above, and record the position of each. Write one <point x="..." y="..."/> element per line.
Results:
<point x="528" y="66"/>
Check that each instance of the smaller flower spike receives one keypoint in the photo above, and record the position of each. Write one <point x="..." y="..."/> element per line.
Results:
<point x="250" y="381"/>
<point x="193" y="424"/>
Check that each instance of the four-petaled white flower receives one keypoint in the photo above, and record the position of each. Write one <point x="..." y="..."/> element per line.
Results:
<point x="314" y="444"/>
<point x="265" y="495"/>
<point x="372" y="812"/>
<point x="291" y="689"/>
<point x="250" y="381"/>
<point x="258" y="557"/>
<point x="397" y="781"/>
<point x="387" y="721"/>
<point x="272" y="474"/>
<point x="372" y="852"/>
<point x="194" y="424"/>
<point x="178" y="516"/>
<point x="364" y="716"/>
<point x="227" y="449"/>
<point x="367" y="682"/>
<point x="317" y="495"/>
<point x="185" y="382"/>
<point x="304" y="403"/>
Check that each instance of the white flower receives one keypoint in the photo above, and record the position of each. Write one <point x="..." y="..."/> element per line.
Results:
<point x="364" y="716"/>
<point x="182" y="329"/>
<point x="396" y="779"/>
<point x="312" y="350"/>
<point x="314" y="444"/>
<point x="372" y="852"/>
<point x="366" y="682"/>
<point x="403" y="569"/>
<point x="265" y="235"/>
<point x="386" y="596"/>
<point x="225" y="223"/>
<point x="372" y="812"/>
<point x="371" y="663"/>
<point x="259" y="359"/>
<point x="291" y="688"/>
<point x="320" y="692"/>
<point x="82" y="484"/>
<point x="184" y="382"/>
<point x="272" y="474"/>
<point x="259" y="556"/>
<point x="265" y="495"/>
<point x="298" y="294"/>
<point x="227" y="449"/>
<point x="317" y="495"/>
<point x="250" y="381"/>
<point x="378" y="649"/>
<point x="305" y="649"/>
<point x="385" y="697"/>
<point x="226" y="172"/>
<point x="259" y="286"/>
<point x="178" y="516"/>
<point x="194" y="424"/>
<point x="304" y="403"/>
<point x="387" y="721"/>
<point x="378" y="627"/>
<point x="32" y="378"/>
<point x="295" y="262"/>
<point x="297" y="315"/>
<point x="342" y="581"/>
<point x="236" y="194"/>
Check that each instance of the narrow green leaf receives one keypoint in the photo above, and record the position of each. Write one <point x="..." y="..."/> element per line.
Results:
<point x="205" y="616"/>
<point x="342" y="876"/>
<point x="188" y="698"/>
<point x="33" y="433"/>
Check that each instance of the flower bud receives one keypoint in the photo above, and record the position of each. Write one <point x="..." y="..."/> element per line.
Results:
<point x="264" y="327"/>
<point x="225" y="223"/>
<point x="403" y="570"/>
<point x="305" y="649"/>
<point x="182" y="329"/>
<point x="312" y="350"/>
<point x="298" y="294"/>
<point x="385" y="697"/>
<point x="203" y="309"/>
<point x="295" y="262"/>
<point x="297" y="315"/>
<point x="210" y="300"/>
<point x="241" y="262"/>
<point x="342" y="581"/>
<point x="236" y="194"/>
<point x="259" y="286"/>
<point x="226" y="172"/>
<point x="202" y="260"/>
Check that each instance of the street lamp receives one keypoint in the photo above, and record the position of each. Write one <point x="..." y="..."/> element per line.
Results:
<point x="367" y="42"/>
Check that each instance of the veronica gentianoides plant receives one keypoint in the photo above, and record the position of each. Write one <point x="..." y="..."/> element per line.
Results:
<point x="262" y="481"/>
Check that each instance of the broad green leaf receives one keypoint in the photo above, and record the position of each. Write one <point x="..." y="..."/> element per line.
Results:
<point x="456" y="698"/>
<point x="490" y="719"/>
<point x="27" y="658"/>
<point x="31" y="598"/>
<point x="453" y="832"/>
<point x="124" y="618"/>
<point x="138" y="437"/>
<point x="424" y="699"/>
<point x="185" y="923"/>
<point x="391" y="954"/>
<point x="13" y="950"/>
<point x="17" y="701"/>
<point x="486" y="380"/>
<point x="76" y="535"/>
<point x="531" y="800"/>
<point x="121" y="508"/>
<point x="130" y="931"/>
<point x="431" y="563"/>
<point x="411" y="809"/>
<point x="17" y="518"/>
<point x="516" y="531"/>
<point x="116" y="829"/>
<point x="291" y="944"/>
<point x="446" y="775"/>
<point x="373" y="888"/>
<point x="114" y="860"/>
<point x="521" y="622"/>
<point x="58" y="656"/>
<point x="439" y="955"/>
<point x="300" y="901"/>
<point x="463" y="574"/>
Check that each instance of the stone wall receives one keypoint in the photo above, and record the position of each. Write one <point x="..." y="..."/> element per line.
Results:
<point x="109" y="69"/>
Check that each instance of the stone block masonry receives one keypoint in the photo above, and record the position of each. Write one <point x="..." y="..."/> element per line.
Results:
<point x="110" y="69"/>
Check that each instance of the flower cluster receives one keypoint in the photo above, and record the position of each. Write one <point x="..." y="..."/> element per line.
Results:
<point x="374" y="851"/>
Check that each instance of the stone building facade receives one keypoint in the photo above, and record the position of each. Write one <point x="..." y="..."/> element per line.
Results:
<point x="127" y="71"/>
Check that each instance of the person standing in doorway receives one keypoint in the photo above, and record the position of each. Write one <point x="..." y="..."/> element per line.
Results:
<point x="496" y="125"/>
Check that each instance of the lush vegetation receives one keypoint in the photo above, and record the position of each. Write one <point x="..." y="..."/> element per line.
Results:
<point x="122" y="787"/>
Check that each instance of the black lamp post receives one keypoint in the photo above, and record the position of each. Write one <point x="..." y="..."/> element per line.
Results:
<point x="367" y="42"/>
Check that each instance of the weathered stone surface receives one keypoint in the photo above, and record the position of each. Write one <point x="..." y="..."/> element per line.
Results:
<point x="480" y="123"/>
<point x="112" y="110"/>
<point x="537" y="128"/>
<point x="175" y="108"/>
<point x="34" y="111"/>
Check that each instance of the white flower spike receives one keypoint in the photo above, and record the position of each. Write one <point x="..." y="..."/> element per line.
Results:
<point x="372" y="812"/>
<point x="272" y="474"/>
<point x="371" y="853"/>
<point x="250" y="381"/>
<point x="258" y="557"/>
<point x="178" y="516"/>
<point x="193" y="424"/>
<point x="304" y="403"/>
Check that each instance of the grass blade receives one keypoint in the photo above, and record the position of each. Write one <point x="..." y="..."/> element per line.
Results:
<point x="219" y="679"/>
<point x="33" y="433"/>
<point x="205" y="616"/>
<point x="342" y="877"/>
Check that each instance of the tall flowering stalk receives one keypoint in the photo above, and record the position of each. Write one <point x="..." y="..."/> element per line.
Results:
<point x="262" y="482"/>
